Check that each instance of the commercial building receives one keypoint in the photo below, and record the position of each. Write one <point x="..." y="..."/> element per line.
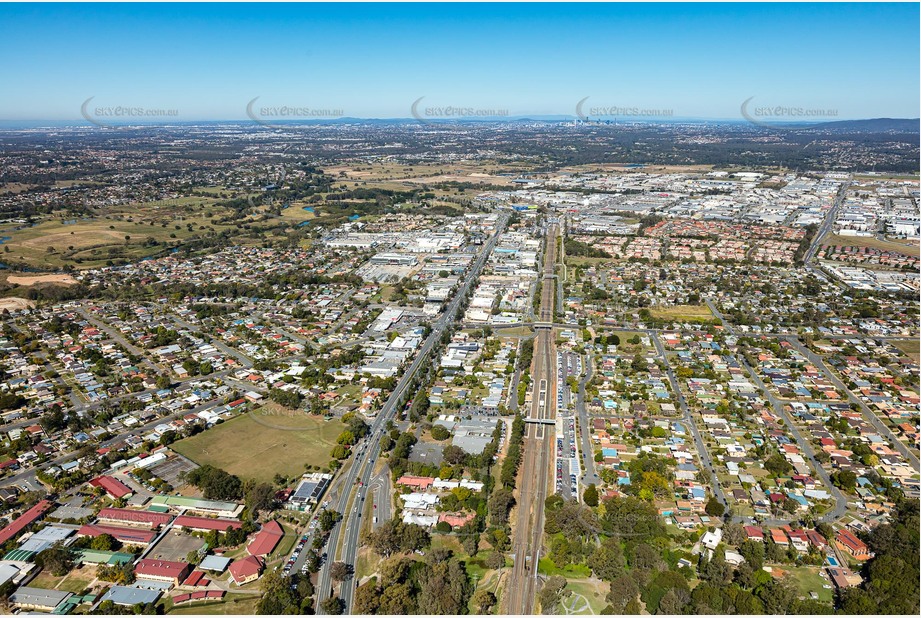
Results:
<point x="309" y="490"/>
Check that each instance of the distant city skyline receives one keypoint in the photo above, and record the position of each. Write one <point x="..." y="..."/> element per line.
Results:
<point x="642" y="62"/>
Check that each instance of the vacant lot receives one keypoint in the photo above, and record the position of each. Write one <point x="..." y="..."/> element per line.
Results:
<point x="76" y="581"/>
<point x="911" y="347"/>
<point x="682" y="312"/>
<point x="807" y="579"/>
<point x="905" y="247"/>
<point x="28" y="280"/>
<point x="14" y="303"/>
<point x="264" y="442"/>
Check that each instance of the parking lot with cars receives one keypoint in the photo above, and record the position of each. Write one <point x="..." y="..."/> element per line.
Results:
<point x="567" y="456"/>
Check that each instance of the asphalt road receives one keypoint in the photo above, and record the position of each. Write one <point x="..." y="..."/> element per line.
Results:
<point x="359" y="473"/>
<point x="590" y="477"/>
<point x="702" y="451"/>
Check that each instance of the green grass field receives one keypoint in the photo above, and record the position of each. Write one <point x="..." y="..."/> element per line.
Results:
<point x="592" y="590"/>
<point x="72" y="582"/>
<point x="682" y="312"/>
<point x="807" y="579"/>
<point x="129" y="231"/>
<point x="546" y="567"/>
<point x="910" y="347"/>
<point x="264" y="442"/>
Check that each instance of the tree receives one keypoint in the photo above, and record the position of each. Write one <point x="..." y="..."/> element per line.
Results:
<point x="397" y="599"/>
<point x="328" y="519"/>
<point x="844" y="479"/>
<point x="551" y="593"/>
<point x="590" y="495"/>
<point x="500" y="504"/>
<point x="777" y="465"/>
<point x="453" y="455"/>
<point x="216" y="484"/>
<point x="367" y="598"/>
<point x="753" y="552"/>
<point x="333" y="606"/>
<point x="288" y="399"/>
<point x="258" y="497"/>
<point x="57" y="559"/>
<point x="103" y="542"/>
<point x="623" y="590"/>
<point x="733" y="534"/>
<point x="484" y="600"/>
<point x="714" y="507"/>
<point x="495" y="560"/>
<point x="560" y="552"/>
<point x="671" y="603"/>
<point x="440" y="432"/>
<point x="443" y="587"/>
<point x="339" y="571"/>
<point x="607" y="561"/>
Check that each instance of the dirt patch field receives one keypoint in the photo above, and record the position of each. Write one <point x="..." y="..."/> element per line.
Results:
<point x="28" y="280"/>
<point x="15" y="304"/>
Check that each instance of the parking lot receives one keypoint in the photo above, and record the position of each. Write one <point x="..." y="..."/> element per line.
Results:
<point x="170" y="469"/>
<point x="567" y="462"/>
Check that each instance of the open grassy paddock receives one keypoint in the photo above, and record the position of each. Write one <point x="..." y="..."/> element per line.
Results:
<point x="263" y="442"/>
<point x="911" y="347"/>
<point x="905" y="247"/>
<point x="682" y="312"/>
<point x="131" y="231"/>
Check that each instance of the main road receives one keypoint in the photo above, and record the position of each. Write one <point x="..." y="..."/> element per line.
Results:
<point x="521" y="588"/>
<point x="358" y="476"/>
<point x="827" y="224"/>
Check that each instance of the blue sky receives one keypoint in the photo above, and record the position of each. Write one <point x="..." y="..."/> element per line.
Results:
<point x="699" y="60"/>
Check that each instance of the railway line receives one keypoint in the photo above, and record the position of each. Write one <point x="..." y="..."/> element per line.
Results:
<point x="534" y="475"/>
